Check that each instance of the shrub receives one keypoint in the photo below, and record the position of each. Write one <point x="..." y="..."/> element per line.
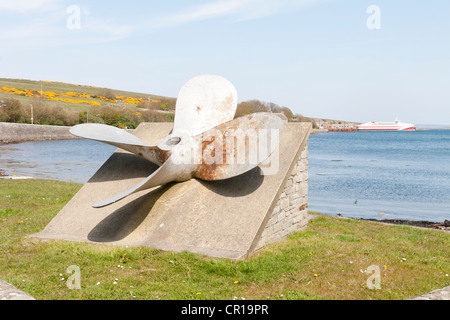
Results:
<point x="44" y="113"/>
<point x="154" y="116"/>
<point x="150" y="105"/>
<point x="108" y="94"/>
<point x="13" y="111"/>
<point x="109" y="115"/>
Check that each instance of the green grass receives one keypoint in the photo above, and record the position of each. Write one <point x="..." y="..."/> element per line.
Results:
<point x="327" y="261"/>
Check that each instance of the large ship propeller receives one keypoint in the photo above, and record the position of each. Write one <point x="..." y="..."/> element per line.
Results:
<point x="205" y="143"/>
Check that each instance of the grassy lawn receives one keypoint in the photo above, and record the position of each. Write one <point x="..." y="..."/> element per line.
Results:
<point x="327" y="261"/>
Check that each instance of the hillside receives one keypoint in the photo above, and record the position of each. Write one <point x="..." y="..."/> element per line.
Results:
<point x="59" y="90"/>
<point x="58" y="103"/>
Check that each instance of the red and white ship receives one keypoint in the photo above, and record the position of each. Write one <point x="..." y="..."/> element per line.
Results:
<point x="386" y="126"/>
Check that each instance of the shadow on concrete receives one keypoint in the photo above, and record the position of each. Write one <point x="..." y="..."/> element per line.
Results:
<point x="126" y="219"/>
<point x="124" y="166"/>
<point x="122" y="222"/>
<point x="238" y="186"/>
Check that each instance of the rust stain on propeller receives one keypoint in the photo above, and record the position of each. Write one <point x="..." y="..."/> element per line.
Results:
<point x="228" y="148"/>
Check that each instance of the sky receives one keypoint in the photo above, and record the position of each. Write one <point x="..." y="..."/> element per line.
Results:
<point x="353" y="60"/>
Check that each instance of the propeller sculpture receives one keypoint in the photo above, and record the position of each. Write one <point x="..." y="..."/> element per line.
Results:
<point x="205" y="143"/>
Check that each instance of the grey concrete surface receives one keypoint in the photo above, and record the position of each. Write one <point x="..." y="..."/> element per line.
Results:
<point x="440" y="294"/>
<point x="219" y="218"/>
<point x="9" y="292"/>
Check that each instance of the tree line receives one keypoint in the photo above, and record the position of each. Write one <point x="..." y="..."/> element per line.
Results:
<point x="253" y="106"/>
<point x="43" y="112"/>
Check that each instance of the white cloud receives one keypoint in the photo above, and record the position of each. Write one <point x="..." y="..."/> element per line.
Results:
<point x="203" y="12"/>
<point x="106" y="31"/>
<point x="27" y="31"/>
<point x="238" y="10"/>
<point x="52" y="27"/>
<point x="210" y="10"/>
<point x="23" y="6"/>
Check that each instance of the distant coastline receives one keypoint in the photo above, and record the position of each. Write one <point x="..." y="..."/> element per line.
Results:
<point x="432" y="127"/>
<point x="317" y="131"/>
<point x="21" y="132"/>
<point x="446" y="128"/>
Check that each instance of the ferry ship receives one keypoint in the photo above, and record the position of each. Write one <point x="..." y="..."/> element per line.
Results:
<point x="386" y="126"/>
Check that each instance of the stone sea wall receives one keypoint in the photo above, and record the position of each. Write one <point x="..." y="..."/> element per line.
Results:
<point x="19" y="132"/>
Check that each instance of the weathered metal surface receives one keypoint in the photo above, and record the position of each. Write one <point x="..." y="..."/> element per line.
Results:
<point x="168" y="172"/>
<point x="204" y="102"/>
<point x="205" y="143"/>
<point x="238" y="146"/>
<point x="120" y="138"/>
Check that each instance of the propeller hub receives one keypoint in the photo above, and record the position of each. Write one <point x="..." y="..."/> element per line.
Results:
<point x="173" y="141"/>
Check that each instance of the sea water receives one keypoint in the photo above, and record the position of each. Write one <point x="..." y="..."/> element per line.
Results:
<point x="63" y="160"/>
<point x="382" y="175"/>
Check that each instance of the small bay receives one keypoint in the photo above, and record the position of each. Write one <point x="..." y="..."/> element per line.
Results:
<point x="381" y="175"/>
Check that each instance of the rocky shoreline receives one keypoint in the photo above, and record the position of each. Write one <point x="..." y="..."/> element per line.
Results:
<point x="5" y="176"/>
<point x="445" y="226"/>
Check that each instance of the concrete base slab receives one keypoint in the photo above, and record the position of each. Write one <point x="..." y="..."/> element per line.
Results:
<point x="219" y="218"/>
<point x="9" y="292"/>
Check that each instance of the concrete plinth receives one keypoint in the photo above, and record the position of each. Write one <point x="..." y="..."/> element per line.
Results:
<point x="229" y="218"/>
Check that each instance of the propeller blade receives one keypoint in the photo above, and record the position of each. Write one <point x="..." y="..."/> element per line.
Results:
<point x="120" y="138"/>
<point x="168" y="172"/>
<point x="228" y="150"/>
<point x="237" y="146"/>
<point x="204" y="102"/>
<point x="205" y="142"/>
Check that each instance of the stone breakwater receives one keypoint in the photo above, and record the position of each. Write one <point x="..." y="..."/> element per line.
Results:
<point x="19" y="132"/>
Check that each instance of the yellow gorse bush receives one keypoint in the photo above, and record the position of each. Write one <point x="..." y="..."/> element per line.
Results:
<point x="132" y="100"/>
<point x="67" y="96"/>
<point x="94" y="103"/>
<point x="76" y="95"/>
<point x="26" y="92"/>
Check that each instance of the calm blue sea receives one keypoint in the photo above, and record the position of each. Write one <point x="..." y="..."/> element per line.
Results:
<point x="382" y="175"/>
<point x="64" y="160"/>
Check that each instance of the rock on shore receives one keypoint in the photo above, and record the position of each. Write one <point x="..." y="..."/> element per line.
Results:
<point x="422" y="224"/>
